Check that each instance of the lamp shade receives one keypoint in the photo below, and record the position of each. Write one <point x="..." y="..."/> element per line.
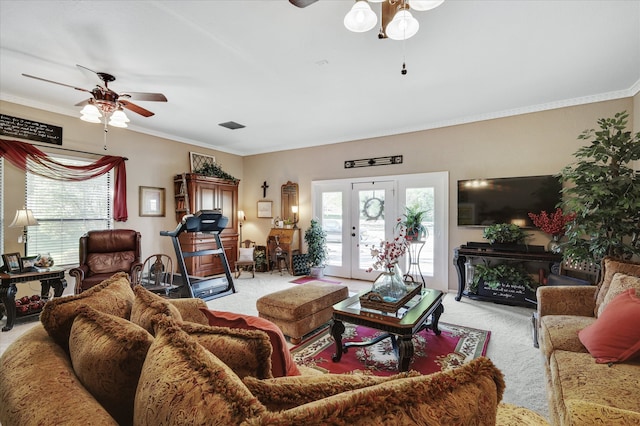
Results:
<point x="241" y="216"/>
<point x="360" y="18"/>
<point x="294" y="209"/>
<point x="422" y="5"/>
<point x="91" y="110"/>
<point x="23" y="218"/>
<point x="402" y="26"/>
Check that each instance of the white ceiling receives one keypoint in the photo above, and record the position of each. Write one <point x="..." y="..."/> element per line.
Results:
<point x="296" y="77"/>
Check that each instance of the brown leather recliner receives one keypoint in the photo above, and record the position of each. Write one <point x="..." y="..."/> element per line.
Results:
<point x="103" y="253"/>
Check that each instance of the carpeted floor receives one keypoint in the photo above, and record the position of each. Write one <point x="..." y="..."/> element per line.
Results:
<point x="510" y="347"/>
<point x="454" y="346"/>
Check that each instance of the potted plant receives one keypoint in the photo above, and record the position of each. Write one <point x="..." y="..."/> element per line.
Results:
<point x="504" y="233"/>
<point x="413" y="218"/>
<point x="604" y="194"/>
<point x="316" y="239"/>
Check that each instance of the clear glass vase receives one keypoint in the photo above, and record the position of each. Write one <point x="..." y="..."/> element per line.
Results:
<point x="555" y="246"/>
<point x="390" y="285"/>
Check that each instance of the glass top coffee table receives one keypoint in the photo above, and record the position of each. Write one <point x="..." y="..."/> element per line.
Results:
<point x="421" y="312"/>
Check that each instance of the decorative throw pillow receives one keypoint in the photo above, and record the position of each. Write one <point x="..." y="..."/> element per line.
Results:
<point x="286" y="392"/>
<point x="282" y="363"/>
<point x="466" y="395"/>
<point x="610" y="267"/>
<point x="107" y="353"/>
<point x="615" y="335"/>
<point x="246" y="254"/>
<point x="148" y="305"/>
<point x="619" y="284"/>
<point x="112" y="296"/>
<point x="183" y="383"/>
<point x="246" y="352"/>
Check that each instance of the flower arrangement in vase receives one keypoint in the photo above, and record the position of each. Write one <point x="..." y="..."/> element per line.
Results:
<point x="554" y="224"/>
<point x="390" y="284"/>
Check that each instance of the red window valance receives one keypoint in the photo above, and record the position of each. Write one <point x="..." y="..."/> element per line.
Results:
<point x="17" y="153"/>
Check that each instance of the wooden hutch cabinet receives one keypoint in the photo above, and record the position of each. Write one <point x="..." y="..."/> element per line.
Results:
<point x="197" y="192"/>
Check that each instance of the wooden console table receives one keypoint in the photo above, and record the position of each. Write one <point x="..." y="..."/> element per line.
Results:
<point x="54" y="277"/>
<point x="536" y="258"/>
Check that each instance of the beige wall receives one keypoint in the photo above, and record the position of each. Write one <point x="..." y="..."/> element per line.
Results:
<point x="529" y="144"/>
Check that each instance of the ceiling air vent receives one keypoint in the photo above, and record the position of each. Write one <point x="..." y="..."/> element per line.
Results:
<point x="232" y="125"/>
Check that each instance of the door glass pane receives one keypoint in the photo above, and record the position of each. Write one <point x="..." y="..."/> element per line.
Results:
<point x="370" y="224"/>
<point x="332" y="225"/>
<point x="423" y="198"/>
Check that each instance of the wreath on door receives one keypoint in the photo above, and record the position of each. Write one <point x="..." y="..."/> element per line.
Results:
<point x="373" y="209"/>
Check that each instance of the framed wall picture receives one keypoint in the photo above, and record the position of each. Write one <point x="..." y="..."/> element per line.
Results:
<point x="12" y="262"/>
<point x="152" y="201"/>
<point x="265" y="209"/>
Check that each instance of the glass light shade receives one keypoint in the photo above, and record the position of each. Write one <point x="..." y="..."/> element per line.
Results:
<point x="360" y="18"/>
<point x="241" y="216"/>
<point x="119" y="115"/>
<point x="422" y="5"/>
<point x="90" y="118"/>
<point x="91" y="110"/>
<point x="116" y="123"/>
<point x="24" y="217"/>
<point x="402" y="26"/>
<point x="294" y="209"/>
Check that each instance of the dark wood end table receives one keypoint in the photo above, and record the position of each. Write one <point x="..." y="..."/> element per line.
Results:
<point x="54" y="277"/>
<point x="400" y="328"/>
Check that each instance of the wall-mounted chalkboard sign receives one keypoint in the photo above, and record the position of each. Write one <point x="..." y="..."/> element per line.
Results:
<point x="30" y="130"/>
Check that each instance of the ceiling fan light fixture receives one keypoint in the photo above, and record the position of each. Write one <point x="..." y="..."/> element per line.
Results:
<point x="119" y="115"/>
<point x="91" y="110"/>
<point x="360" y="18"/>
<point x="422" y="5"/>
<point x="402" y="26"/>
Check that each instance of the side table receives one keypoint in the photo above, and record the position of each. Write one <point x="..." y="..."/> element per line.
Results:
<point x="54" y="277"/>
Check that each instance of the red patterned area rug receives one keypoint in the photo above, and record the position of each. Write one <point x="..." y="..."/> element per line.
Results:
<point x="455" y="345"/>
<point x="303" y="280"/>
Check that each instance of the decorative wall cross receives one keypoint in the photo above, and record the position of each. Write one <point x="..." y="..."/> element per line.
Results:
<point x="264" y="189"/>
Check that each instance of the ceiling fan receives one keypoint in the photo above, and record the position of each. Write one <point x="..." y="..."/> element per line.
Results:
<point x="108" y="101"/>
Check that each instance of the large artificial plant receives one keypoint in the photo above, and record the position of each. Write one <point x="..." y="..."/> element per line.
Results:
<point x="603" y="190"/>
<point x="316" y="239"/>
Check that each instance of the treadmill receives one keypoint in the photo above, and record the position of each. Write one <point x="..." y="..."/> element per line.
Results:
<point x="206" y="288"/>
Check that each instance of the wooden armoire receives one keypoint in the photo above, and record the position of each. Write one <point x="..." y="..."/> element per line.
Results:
<point x="195" y="192"/>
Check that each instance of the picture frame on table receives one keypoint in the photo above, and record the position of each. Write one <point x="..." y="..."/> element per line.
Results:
<point x="12" y="262"/>
<point x="265" y="209"/>
<point x="28" y="262"/>
<point x="151" y="201"/>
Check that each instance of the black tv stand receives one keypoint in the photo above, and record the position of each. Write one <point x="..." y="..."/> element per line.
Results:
<point x="531" y="257"/>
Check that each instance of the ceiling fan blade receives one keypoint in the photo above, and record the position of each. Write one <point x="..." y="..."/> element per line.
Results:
<point x="135" y="108"/>
<point x="55" y="82"/>
<point x="302" y="3"/>
<point x="144" y="96"/>
<point x="106" y="77"/>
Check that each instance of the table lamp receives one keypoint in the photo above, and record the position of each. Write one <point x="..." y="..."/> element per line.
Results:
<point x="294" y="209"/>
<point x="24" y="217"/>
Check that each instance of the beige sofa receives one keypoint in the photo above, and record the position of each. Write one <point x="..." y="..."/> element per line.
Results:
<point x="582" y="391"/>
<point x="117" y="355"/>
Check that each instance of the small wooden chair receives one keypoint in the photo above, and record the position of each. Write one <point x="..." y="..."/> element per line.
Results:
<point x="246" y="260"/>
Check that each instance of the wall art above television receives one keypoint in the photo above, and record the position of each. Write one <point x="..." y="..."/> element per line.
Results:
<point x="483" y="202"/>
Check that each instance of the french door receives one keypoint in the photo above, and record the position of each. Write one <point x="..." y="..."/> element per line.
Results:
<point x="360" y="213"/>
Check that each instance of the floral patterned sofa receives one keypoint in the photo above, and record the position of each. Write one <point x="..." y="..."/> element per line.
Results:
<point x="590" y="338"/>
<point x="116" y="355"/>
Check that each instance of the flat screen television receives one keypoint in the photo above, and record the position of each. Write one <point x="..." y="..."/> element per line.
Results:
<point x="483" y="202"/>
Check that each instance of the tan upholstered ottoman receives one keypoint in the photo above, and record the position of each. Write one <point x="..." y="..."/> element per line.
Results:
<point x="302" y="308"/>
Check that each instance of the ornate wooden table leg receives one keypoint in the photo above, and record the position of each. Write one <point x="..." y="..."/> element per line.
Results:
<point x="435" y="318"/>
<point x="337" y="328"/>
<point x="8" y="298"/>
<point x="405" y="353"/>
